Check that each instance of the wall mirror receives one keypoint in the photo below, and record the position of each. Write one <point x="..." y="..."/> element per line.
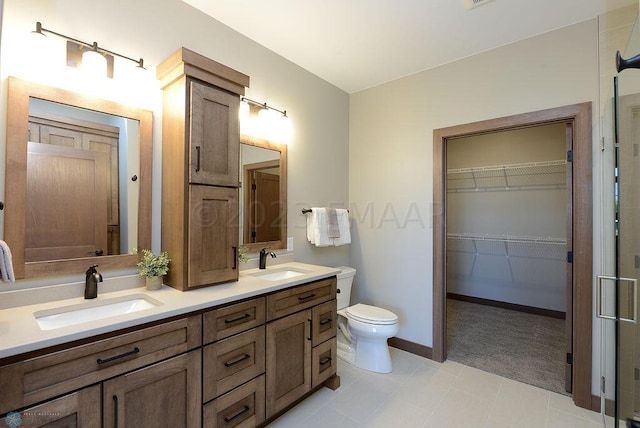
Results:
<point x="78" y="180"/>
<point x="263" y="194"/>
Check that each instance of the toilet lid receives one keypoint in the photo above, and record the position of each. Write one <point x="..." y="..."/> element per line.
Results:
<point x="371" y="314"/>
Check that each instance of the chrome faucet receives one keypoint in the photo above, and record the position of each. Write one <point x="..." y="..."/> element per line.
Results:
<point x="263" y="257"/>
<point x="91" y="283"/>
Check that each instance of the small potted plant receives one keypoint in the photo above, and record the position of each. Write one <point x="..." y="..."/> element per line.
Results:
<point x="153" y="267"/>
<point x="243" y="254"/>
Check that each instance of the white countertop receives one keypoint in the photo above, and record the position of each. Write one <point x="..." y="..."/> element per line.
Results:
<point x="20" y="332"/>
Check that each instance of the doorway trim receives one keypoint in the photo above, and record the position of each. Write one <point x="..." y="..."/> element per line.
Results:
<point x="579" y="116"/>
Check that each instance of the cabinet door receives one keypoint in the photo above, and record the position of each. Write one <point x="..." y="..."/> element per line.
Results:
<point x="214" y="136"/>
<point x="166" y="394"/>
<point x="80" y="409"/>
<point x="213" y="235"/>
<point x="288" y="360"/>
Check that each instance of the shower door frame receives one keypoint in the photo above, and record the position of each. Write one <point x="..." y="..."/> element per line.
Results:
<point x="578" y="117"/>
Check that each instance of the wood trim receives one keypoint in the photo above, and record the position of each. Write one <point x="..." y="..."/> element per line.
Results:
<point x="506" y="305"/>
<point x="568" y="381"/>
<point x="596" y="403"/>
<point x="580" y="116"/>
<point x="411" y="347"/>
<point x="18" y="95"/>
<point x="185" y="61"/>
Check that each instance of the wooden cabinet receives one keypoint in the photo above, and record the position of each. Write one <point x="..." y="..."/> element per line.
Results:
<point x="288" y="360"/>
<point x="213" y="235"/>
<point x="44" y="377"/>
<point x="232" y="362"/>
<point x="237" y="365"/>
<point x="200" y="149"/>
<point x="214" y="141"/>
<point x="234" y="365"/>
<point x="242" y="407"/>
<point x="232" y="319"/>
<point x="80" y="409"/>
<point x="165" y="394"/>
<point x="301" y="345"/>
<point x="155" y="366"/>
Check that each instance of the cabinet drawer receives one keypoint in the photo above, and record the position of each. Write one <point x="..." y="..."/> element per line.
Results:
<point x="242" y="407"/>
<point x="324" y="322"/>
<point x="302" y="297"/>
<point x="232" y="361"/>
<point x="40" y="378"/>
<point x="324" y="362"/>
<point x="233" y="319"/>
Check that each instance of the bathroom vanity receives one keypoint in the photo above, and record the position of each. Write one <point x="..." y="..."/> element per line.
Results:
<point x="236" y="354"/>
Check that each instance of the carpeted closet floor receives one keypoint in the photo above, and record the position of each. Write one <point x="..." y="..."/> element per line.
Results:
<point x="524" y="347"/>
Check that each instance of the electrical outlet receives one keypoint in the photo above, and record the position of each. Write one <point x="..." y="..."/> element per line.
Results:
<point x="290" y="244"/>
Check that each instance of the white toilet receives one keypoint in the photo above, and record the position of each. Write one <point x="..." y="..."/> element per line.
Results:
<point x="363" y="329"/>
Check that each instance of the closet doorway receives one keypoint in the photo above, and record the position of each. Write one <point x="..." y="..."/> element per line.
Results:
<point x="499" y="254"/>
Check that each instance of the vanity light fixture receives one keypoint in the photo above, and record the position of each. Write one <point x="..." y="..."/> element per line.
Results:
<point x="270" y="125"/>
<point x="79" y="52"/>
<point x="262" y="106"/>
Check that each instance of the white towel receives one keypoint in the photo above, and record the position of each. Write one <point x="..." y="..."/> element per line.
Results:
<point x="6" y="263"/>
<point x="344" y="226"/>
<point x="317" y="227"/>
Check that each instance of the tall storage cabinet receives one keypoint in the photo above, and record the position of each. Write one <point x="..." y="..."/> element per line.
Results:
<point x="200" y="148"/>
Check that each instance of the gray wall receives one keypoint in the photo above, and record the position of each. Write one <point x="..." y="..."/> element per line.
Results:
<point x="318" y="153"/>
<point x="390" y="156"/>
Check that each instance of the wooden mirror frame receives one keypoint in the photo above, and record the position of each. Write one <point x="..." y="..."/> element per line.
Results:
<point x="282" y="148"/>
<point x="19" y="92"/>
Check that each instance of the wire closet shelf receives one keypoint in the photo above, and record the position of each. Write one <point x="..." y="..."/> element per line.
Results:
<point x="544" y="174"/>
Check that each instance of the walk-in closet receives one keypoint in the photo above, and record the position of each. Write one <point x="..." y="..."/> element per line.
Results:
<point x="507" y="221"/>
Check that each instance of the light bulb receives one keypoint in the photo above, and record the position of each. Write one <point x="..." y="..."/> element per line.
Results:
<point x="285" y="130"/>
<point x="94" y="63"/>
<point x="245" y="111"/>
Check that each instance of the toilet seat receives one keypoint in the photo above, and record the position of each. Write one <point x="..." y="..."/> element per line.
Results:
<point x="371" y="314"/>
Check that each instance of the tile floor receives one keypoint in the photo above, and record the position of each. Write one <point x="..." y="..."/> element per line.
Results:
<point x="423" y="393"/>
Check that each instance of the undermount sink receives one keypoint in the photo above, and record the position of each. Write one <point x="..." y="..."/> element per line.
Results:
<point x="65" y="316"/>
<point x="279" y="274"/>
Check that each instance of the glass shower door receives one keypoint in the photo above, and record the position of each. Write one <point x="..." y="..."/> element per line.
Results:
<point x="618" y="294"/>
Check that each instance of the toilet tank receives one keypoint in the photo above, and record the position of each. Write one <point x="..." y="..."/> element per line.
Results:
<point x="345" y="281"/>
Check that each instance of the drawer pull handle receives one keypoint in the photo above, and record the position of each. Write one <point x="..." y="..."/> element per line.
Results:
<point x="237" y="360"/>
<point x="240" y="318"/>
<point x="310" y="296"/>
<point x="197" y="158"/>
<point x="117" y="357"/>
<point x="325" y="360"/>
<point x="326" y="321"/>
<point x="235" y="258"/>
<point x="244" y="410"/>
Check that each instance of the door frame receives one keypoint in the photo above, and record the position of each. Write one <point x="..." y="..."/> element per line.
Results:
<point x="579" y="117"/>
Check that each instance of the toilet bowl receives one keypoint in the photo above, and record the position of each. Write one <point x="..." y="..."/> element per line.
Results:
<point x="363" y="329"/>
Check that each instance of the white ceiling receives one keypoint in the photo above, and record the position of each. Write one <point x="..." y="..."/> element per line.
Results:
<point x="357" y="44"/>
